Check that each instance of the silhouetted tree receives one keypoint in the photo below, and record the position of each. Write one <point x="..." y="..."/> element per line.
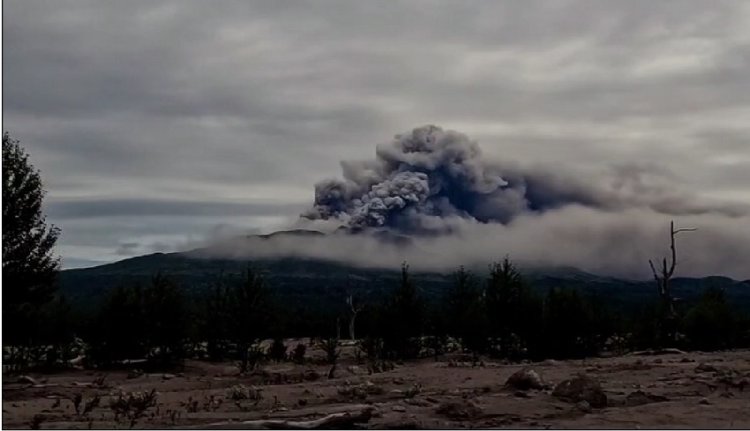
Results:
<point x="507" y="300"/>
<point x="354" y="309"/>
<point x="29" y="265"/>
<point x="465" y="314"/>
<point x="403" y="319"/>
<point x="710" y="324"/>
<point x="119" y="330"/>
<point x="248" y="313"/>
<point x="215" y="331"/>
<point x="668" y="320"/>
<point x="574" y="326"/>
<point x="166" y="320"/>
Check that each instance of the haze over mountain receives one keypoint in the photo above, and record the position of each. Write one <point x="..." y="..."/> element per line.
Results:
<point x="317" y="282"/>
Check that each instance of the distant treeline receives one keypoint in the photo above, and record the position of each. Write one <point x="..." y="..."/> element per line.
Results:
<point x="499" y="315"/>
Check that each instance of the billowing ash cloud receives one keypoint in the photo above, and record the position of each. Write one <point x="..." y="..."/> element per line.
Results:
<point x="424" y="179"/>
<point x="421" y="175"/>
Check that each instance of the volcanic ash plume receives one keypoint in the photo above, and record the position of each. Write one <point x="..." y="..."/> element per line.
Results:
<point x="427" y="180"/>
<point x="421" y="178"/>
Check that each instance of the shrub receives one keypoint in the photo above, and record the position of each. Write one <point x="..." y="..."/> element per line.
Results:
<point x="277" y="350"/>
<point x="331" y="348"/>
<point x="132" y="405"/>
<point x="298" y="355"/>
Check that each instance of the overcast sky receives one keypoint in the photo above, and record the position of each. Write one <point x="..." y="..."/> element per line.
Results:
<point x="157" y="123"/>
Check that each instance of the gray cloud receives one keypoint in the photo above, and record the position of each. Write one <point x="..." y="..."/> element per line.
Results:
<point x="206" y="112"/>
<point x="98" y="208"/>
<point x="616" y="243"/>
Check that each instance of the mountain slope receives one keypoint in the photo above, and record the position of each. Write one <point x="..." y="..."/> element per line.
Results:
<point x="321" y="283"/>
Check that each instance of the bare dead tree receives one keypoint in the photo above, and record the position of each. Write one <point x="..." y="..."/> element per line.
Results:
<point x="665" y="273"/>
<point x="353" y="311"/>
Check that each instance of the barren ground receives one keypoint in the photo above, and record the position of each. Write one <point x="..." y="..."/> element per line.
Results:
<point x="423" y="394"/>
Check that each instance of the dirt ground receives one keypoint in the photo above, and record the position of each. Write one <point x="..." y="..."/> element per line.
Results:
<point x="674" y="390"/>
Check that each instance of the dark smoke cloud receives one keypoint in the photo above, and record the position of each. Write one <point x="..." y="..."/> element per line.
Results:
<point x="426" y="177"/>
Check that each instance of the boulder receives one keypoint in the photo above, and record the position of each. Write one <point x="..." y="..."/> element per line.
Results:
<point x="583" y="406"/>
<point x="581" y="388"/>
<point x="525" y="379"/>
<point x="459" y="410"/>
<point x="311" y="375"/>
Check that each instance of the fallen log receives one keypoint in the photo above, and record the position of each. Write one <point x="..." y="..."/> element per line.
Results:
<point x="343" y="420"/>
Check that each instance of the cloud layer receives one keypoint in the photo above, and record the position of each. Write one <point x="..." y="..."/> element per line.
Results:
<point x="142" y="115"/>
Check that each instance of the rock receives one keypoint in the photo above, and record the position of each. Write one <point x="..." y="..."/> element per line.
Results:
<point x="525" y="379"/>
<point x="134" y="374"/>
<point x="581" y="388"/>
<point x="521" y="394"/>
<point x="354" y="369"/>
<point x="685" y="360"/>
<point x="459" y="410"/>
<point x="168" y="376"/>
<point x="704" y="401"/>
<point x="311" y="375"/>
<point x="398" y="408"/>
<point x="658" y="361"/>
<point x="705" y="368"/>
<point x="27" y="380"/>
<point x="639" y="398"/>
<point x="550" y="362"/>
<point x="583" y="406"/>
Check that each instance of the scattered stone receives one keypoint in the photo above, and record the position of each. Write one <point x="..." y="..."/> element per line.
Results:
<point x="705" y="368"/>
<point x="583" y="406"/>
<point x="581" y="388"/>
<point x="27" y="380"/>
<point x="360" y="391"/>
<point x="525" y="379"/>
<point x="704" y="401"/>
<point x="459" y="410"/>
<point x="639" y="398"/>
<point x="685" y="360"/>
<point x="398" y="408"/>
<point x="168" y="376"/>
<point x="311" y="375"/>
<point x="134" y="374"/>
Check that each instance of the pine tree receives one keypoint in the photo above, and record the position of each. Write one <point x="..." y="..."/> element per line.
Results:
<point x="29" y="265"/>
<point x="248" y="314"/>
<point x="464" y="309"/>
<point x="403" y="319"/>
